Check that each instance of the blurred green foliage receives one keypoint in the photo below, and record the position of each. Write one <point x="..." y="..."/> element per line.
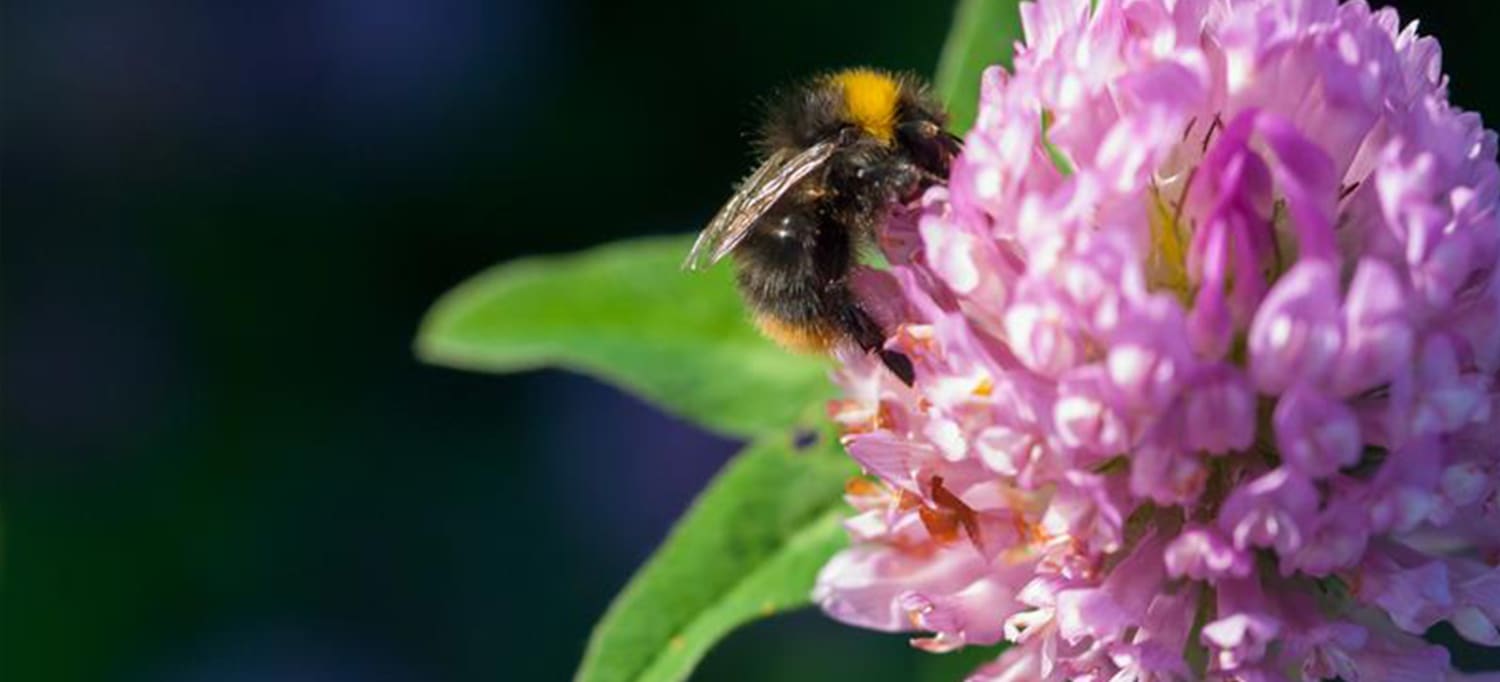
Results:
<point x="749" y="548"/>
<point x="629" y="314"/>
<point x="983" y="34"/>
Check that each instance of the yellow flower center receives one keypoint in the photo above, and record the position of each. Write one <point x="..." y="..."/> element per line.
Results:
<point x="1166" y="266"/>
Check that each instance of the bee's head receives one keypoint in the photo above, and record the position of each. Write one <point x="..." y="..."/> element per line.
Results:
<point x="896" y="110"/>
<point x="870" y="101"/>
<point x="893" y="110"/>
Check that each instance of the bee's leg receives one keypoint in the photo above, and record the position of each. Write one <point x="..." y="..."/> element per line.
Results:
<point x="900" y="365"/>
<point x="900" y="179"/>
<point x="870" y="338"/>
<point x="931" y="147"/>
<point x="891" y="179"/>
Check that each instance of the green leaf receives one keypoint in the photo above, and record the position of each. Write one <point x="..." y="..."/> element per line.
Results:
<point x="629" y="314"/>
<point x="982" y="34"/>
<point x="750" y="547"/>
<point x="1059" y="158"/>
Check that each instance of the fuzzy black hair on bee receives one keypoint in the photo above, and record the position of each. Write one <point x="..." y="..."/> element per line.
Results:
<point x="835" y="155"/>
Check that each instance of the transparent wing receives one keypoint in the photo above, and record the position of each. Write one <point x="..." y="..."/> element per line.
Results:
<point x="756" y="195"/>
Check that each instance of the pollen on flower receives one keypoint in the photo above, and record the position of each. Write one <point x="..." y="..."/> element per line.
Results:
<point x="1217" y="332"/>
<point x="984" y="389"/>
<point x="859" y="486"/>
<point x="921" y="335"/>
<point x="1166" y="266"/>
<point x="856" y="417"/>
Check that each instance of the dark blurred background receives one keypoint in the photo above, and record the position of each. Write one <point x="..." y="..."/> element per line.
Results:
<point x="221" y="224"/>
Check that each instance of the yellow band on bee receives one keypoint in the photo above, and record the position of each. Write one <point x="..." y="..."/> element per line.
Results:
<point x="802" y="338"/>
<point x="870" y="100"/>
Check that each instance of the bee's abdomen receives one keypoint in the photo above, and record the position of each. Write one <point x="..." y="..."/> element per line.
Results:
<point x="794" y="274"/>
<point x="791" y="271"/>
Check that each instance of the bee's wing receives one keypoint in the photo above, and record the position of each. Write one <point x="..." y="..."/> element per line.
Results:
<point x="756" y="195"/>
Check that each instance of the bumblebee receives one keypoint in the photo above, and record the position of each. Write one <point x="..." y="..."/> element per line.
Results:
<point x="836" y="154"/>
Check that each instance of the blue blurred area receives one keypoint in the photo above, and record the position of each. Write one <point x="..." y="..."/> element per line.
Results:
<point x="221" y="223"/>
